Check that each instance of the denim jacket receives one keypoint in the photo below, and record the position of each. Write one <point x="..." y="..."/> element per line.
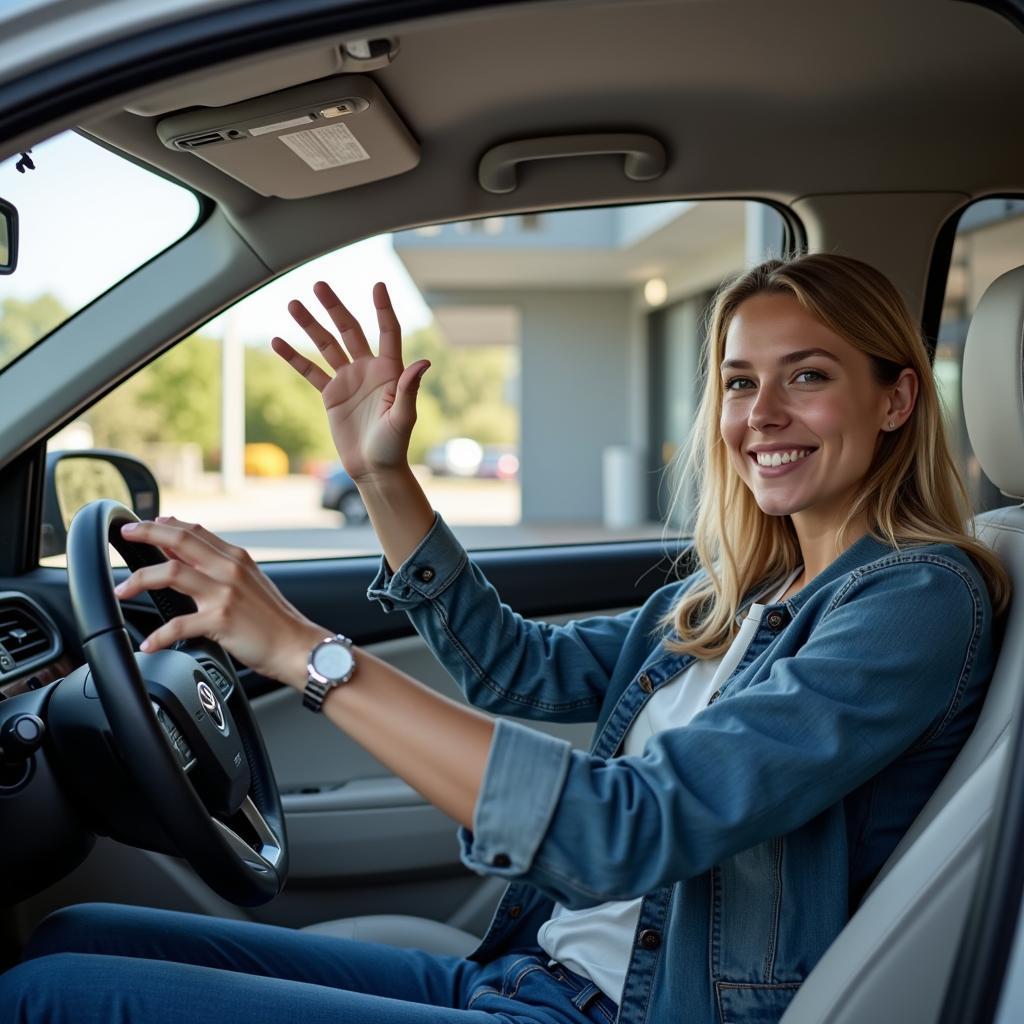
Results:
<point x="751" y="832"/>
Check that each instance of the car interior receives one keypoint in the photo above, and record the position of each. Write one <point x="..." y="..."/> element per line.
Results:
<point x="869" y="126"/>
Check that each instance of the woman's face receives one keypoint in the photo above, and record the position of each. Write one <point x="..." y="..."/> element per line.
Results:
<point x="801" y="411"/>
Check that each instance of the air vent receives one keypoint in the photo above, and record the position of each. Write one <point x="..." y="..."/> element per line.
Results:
<point x="24" y="636"/>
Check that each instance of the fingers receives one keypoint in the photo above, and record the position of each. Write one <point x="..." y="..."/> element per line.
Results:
<point x="403" y="413"/>
<point x="173" y="575"/>
<point x="183" y="627"/>
<point x="191" y="544"/>
<point x="300" y="364"/>
<point x="390" y="329"/>
<point x="348" y="326"/>
<point x="318" y="334"/>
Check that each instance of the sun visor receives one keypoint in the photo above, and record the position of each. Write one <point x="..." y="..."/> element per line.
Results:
<point x="332" y="134"/>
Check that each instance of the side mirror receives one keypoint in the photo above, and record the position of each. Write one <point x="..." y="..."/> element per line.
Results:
<point x="74" y="478"/>
<point x="8" y="237"/>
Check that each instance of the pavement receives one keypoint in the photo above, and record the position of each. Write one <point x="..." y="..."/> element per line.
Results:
<point x="281" y="518"/>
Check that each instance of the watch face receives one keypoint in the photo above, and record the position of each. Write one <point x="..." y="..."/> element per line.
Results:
<point x="332" y="661"/>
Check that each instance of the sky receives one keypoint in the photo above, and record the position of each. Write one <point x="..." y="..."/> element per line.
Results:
<point x="87" y="218"/>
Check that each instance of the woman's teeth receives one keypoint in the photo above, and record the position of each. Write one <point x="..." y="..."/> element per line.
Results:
<point x="782" y="458"/>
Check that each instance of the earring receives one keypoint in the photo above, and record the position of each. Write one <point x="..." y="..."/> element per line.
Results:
<point x="891" y="424"/>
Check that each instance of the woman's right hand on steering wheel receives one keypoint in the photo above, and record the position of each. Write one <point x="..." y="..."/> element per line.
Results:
<point x="370" y="400"/>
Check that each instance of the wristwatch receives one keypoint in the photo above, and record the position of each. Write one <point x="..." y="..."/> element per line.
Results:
<point x="330" y="664"/>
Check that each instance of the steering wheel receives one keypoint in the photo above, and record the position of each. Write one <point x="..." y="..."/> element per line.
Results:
<point x="180" y="721"/>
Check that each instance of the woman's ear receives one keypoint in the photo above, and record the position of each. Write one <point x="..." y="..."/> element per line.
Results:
<point x="902" y="398"/>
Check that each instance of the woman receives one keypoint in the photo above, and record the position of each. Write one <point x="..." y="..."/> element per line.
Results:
<point x="767" y="728"/>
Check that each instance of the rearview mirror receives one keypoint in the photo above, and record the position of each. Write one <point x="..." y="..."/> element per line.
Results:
<point x="74" y="478"/>
<point x="8" y="237"/>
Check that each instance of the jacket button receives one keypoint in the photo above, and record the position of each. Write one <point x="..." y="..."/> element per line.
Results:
<point x="650" y="939"/>
<point x="426" y="574"/>
<point x="714" y="697"/>
<point x="501" y="860"/>
<point x="645" y="683"/>
<point x="776" y="620"/>
<point x="515" y="911"/>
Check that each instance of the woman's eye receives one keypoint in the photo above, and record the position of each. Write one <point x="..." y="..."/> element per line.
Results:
<point x="803" y="377"/>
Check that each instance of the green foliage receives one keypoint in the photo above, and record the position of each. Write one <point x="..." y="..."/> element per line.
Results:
<point x="177" y="397"/>
<point x="282" y="408"/>
<point x="23" y="322"/>
<point x="463" y="394"/>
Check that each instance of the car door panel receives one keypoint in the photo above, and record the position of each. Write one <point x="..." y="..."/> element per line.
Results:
<point x="347" y="815"/>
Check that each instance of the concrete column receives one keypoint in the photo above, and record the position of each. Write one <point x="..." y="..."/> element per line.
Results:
<point x="232" y="409"/>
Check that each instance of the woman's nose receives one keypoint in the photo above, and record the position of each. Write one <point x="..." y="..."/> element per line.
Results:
<point x="768" y="408"/>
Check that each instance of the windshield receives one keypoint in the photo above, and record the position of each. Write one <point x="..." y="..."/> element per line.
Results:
<point x="87" y="219"/>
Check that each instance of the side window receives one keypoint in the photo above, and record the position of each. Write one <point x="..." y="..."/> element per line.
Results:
<point x="989" y="242"/>
<point x="564" y="349"/>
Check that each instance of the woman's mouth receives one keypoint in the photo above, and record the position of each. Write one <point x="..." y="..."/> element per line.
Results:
<point x="771" y="464"/>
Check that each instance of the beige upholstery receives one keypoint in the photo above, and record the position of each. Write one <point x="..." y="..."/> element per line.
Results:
<point x="891" y="961"/>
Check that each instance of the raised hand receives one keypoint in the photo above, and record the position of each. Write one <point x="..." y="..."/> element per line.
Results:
<point x="370" y="400"/>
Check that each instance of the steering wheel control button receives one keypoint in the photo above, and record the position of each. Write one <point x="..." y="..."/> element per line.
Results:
<point x="211" y="705"/>
<point x="218" y="679"/>
<point x="21" y="737"/>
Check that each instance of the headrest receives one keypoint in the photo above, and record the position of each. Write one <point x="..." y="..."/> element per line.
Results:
<point x="993" y="382"/>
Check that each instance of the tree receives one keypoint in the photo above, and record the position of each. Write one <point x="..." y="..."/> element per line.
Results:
<point x="463" y="393"/>
<point x="175" y="399"/>
<point x="23" y="322"/>
<point x="282" y="408"/>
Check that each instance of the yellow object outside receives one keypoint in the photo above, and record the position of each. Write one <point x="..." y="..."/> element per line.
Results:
<point x="265" y="459"/>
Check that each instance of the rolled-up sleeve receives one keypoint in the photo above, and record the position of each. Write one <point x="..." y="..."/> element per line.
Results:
<point x="433" y="566"/>
<point x="503" y="662"/>
<point x="521" y="785"/>
<point x="887" y="666"/>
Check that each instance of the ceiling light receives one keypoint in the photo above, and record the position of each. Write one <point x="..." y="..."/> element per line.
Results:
<point x="655" y="291"/>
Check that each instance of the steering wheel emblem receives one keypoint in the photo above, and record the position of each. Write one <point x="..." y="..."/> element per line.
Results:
<point x="211" y="705"/>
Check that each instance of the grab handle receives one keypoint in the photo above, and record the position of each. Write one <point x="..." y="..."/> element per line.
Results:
<point x="645" y="156"/>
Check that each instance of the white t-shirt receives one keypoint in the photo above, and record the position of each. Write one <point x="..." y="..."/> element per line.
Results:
<point x="596" y="942"/>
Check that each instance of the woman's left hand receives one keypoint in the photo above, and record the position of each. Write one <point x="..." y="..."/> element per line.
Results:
<point x="237" y="605"/>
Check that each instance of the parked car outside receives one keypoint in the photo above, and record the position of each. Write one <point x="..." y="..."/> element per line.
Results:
<point x="341" y="494"/>
<point x="499" y="462"/>
<point x="462" y="456"/>
<point x="459" y="456"/>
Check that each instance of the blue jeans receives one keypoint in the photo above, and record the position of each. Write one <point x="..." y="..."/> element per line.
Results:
<point x="107" y="964"/>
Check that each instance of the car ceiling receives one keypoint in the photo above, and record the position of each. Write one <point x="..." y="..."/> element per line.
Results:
<point x="780" y="100"/>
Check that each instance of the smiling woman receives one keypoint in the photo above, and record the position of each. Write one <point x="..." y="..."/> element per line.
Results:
<point x="830" y="428"/>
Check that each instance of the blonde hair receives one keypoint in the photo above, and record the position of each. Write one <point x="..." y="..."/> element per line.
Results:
<point x="912" y="493"/>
